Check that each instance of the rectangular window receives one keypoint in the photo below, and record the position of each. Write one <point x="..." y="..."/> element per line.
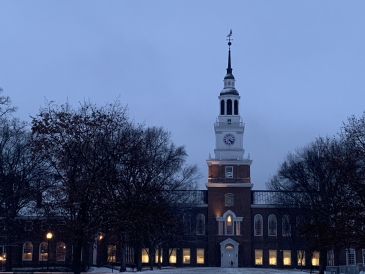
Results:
<point x="186" y="255"/>
<point x="2" y="254"/>
<point x="28" y="226"/>
<point x="200" y="256"/>
<point x="315" y="258"/>
<point x="229" y="171"/>
<point x="172" y="258"/>
<point x="238" y="228"/>
<point x="145" y="255"/>
<point x="330" y="258"/>
<point x="301" y="257"/>
<point x="286" y="257"/>
<point x="258" y="256"/>
<point x="220" y="227"/>
<point x="112" y="250"/>
<point x="350" y="256"/>
<point x="156" y="255"/>
<point x="272" y="257"/>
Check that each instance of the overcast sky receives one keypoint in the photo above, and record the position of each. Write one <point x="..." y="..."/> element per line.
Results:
<point x="299" y="66"/>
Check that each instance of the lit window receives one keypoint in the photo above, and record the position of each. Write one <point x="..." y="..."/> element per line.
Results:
<point x="350" y="256"/>
<point x="229" y="246"/>
<point x="229" y="172"/>
<point x="112" y="250"/>
<point x="258" y="225"/>
<point x="43" y="251"/>
<point x="315" y="258"/>
<point x="186" y="255"/>
<point x="229" y="199"/>
<point x="258" y="257"/>
<point x="301" y="257"/>
<point x="229" y="225"/>
<point x="200" y="256"/>
<point x="156" y="255"/>
<point x="200" y="224"/>
<point x="61" y="252"/>
<point x="2" y="253"/>
<point x="286" y="257"/>
<point x="286" y="226"/>
<point x="272" y="225"/>
<point x="272" y="257"/>
<point x="27" y="251"/>
<point x="145" y="255"/>
<point x="172" y="257"/>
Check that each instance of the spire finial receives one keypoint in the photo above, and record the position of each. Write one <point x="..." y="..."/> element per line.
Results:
<point x="229" y="69"/>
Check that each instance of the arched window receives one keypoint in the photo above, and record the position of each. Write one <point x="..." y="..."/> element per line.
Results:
<point x="272" y="225"/>
<point x="61" y="252"/>
<point x="222" y="107"/>
<point x="299" y="224"/>
<point x="235" y="107"/>
<point x="200" y="224"/>
<point x="27" y="251"/>
<point x="229" y="225"/>
<point x="43" y="251"/>
<point x="258" y="225"/>
<point x="229" y="107"/>
<point x="187" y="223"/>
<point x="286" y="226"/>
<point x="229" y="199"/>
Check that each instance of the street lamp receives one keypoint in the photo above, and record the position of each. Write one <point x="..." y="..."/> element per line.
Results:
<point x="49" y="237"/>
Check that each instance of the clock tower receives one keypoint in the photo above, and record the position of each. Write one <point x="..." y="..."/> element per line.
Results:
<point x="229" y="183"/>
<point x="229" y="129"/>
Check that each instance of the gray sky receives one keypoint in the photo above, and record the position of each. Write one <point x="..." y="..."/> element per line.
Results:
<point x="299" y="66"/>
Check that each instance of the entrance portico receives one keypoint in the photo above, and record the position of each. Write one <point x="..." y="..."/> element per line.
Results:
<point x="229" y="253"/>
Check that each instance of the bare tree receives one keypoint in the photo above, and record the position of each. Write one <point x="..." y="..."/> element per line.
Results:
<point x="23" y="178"/>
<point x="78" y="145"/>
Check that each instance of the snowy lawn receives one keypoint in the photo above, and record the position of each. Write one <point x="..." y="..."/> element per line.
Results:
<point x="206" y="270"/>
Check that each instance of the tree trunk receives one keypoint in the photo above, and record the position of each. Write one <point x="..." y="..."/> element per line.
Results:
<point x="123" y="264"/>
<point x="139" y="259"/>
<point x="76" y="262"/>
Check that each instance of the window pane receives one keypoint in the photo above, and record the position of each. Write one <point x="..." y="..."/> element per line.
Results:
<point x="220" y="228"/>
<point x="286" y="257"/>
<point x="172" y="253"/>
<point x="301" y="258"/>
<point x="238" y="228"/>
<point x="61" y="251"/>
<point x="43" y="251"/>
<point x="258" y="257"/>
<point x="229" y="172"/>
<point x="350" y="256"/>
<point x="272" y="257"/>
<point x="112" y="249"/>
<point x="145" y="255"/>
<point x="229" y="199"/>
<point x="156" y="256"/>
<point x="272" y="225"/>
<point x="27" y="251"/>
<point x="286" y="226"/>
<point x="2" y="254"/>
<point x="315" y="258"/>
<point x="200" y="256"/>
<point x="229" y="225"/>
<point x="200" y="224"/>
<point x="258" y="225"/>
<point x="186" y="255"/>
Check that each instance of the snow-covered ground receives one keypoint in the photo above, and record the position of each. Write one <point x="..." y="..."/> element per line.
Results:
<point x="206" y="270"/>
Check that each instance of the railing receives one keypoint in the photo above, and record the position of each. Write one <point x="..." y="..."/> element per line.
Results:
<point x="196" y="197"/>
<point x="217" y="124"/>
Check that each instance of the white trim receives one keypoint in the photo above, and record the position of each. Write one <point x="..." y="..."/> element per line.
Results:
<point x="229" y="185"/>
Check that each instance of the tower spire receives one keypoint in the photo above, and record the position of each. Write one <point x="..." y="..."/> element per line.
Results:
<point x="229" y="69"/>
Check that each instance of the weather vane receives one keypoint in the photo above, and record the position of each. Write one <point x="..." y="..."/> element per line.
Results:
<point x="229" y="37"/>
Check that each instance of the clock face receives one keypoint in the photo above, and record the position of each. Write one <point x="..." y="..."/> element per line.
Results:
<point x="229" y="139"/>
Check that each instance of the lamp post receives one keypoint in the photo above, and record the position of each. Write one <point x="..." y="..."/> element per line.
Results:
<point x="49" y="237"/>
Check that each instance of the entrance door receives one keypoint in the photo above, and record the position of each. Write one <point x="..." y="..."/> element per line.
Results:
<point x="229" y="253"/>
